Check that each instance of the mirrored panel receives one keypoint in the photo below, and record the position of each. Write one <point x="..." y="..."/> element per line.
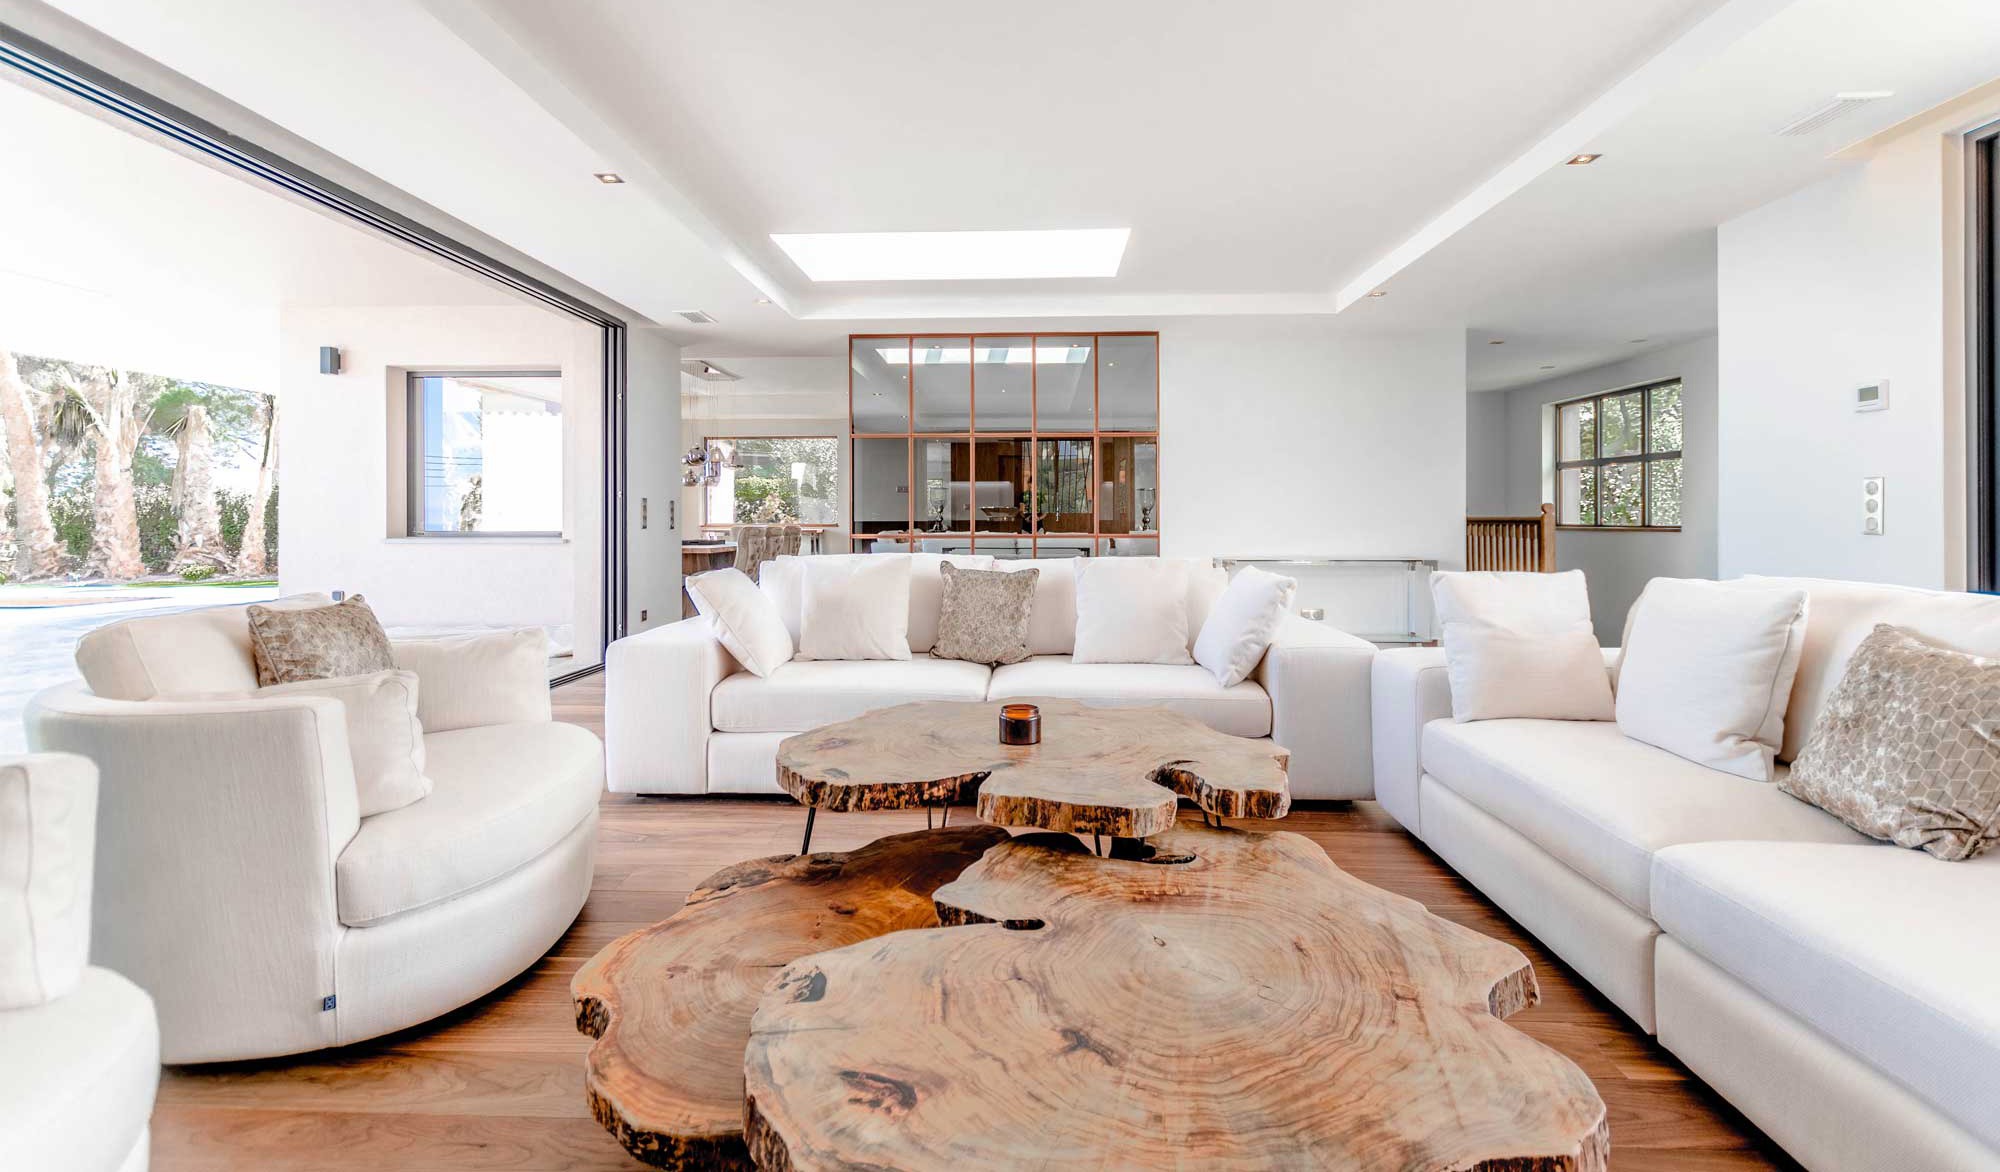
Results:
<point x="1001" y="477"/>
<point x="1063" y="486"/>
<point x="1128" y="382"/>
<point x="1003" y="383"/>
<point x="944" y="482"/>
<point x="1128" y="495"/>
<point x="880" y="372"/>
<point x="1062" y="547"/>
<point x="1065" y="383"/>
<point x="942" y="371"/>
<point x="881" y="485"/>
<point x="1130" y="547"/>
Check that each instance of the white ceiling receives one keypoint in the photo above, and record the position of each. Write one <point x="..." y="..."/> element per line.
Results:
<point x="1264" y="156"/>
<point x="131" y="255"/>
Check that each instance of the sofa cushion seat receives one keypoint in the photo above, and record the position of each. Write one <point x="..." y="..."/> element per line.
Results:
<point x="1603" y="804"/>
<point x="1881" y="949"/>
<point x="805" y="694"/>
<point x="78" y="1077"/>
<point x="1242" y="710"/>
<point x="501" y="796"/>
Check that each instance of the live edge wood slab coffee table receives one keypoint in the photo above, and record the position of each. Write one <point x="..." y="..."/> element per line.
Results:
<point x="1118" y="772"/>
<point x="961" y="999"/>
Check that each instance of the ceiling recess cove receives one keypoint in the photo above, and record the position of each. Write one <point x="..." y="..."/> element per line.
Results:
<point x="1841" y="106"/>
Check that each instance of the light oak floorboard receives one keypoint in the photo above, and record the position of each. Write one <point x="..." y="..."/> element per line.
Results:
<point x="499" y="1084"/>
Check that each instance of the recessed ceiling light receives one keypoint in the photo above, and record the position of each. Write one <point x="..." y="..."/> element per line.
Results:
<point x="763" y="301"/>
<point x="1379" y="293"/>
<point x="1581" y="160"/>
<point x="956" y="256"/>
<point x="607" y="177"/>
<point x="1548" y="368"/>
<point x="1496" y="341"/>
<point x="1635" y="341"/>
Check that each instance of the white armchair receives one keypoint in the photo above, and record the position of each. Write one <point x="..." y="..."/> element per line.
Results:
<point x="238" y="886"/>
<point x="79" y="1045"/>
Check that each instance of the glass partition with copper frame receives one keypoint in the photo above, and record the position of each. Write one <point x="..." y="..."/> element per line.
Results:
<point x="1018" y="445"/>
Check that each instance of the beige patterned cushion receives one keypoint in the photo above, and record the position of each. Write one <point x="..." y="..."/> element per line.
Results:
<point x="1905" y="748"/>
<point x="322" y="643"/>
<point x="985" y="615"/>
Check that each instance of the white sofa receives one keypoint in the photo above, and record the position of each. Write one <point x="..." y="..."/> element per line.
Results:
<point x="79" y="1045"/>
<point x="237" y="884"/>
<point x="681" y="717"/>
<point x="1843" y="993"/>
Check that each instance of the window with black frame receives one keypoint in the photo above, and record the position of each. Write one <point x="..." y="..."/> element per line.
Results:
<point x="1618" y="459"/>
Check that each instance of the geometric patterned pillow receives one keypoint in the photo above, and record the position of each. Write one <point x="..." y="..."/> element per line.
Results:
<point x="1908" y="747"/>
<point x="984" y="616"/>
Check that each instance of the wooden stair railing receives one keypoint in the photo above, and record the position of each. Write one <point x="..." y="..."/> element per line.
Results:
<point x="1521" y="544"/>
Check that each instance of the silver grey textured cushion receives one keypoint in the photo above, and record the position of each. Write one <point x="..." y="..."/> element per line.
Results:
<point x="323" y="643"/>
<point x="985" y="614"/>
<point x="1905" y="748"/>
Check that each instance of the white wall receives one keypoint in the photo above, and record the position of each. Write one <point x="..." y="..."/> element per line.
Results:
<point x="1616" y="565"/>
<point x="340" y="472"/>
<point x="1854" y="279"/>
<point x="1281" y="436"/>
<point x="1486" y="454"/>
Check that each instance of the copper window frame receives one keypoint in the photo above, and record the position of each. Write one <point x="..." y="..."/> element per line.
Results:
<point x="1645" y="457"/>
<point x="1096" y="434"/>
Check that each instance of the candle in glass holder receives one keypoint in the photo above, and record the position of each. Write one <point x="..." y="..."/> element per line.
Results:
<point x="1020" y="724"/>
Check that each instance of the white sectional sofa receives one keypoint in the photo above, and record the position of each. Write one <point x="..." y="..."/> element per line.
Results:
<point x="1843" y="993"/>
<point x="681" y="716"/>
<point x="237" y="883"/>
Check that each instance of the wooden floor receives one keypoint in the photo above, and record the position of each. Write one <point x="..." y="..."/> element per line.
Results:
<point x="498" y="1085"/>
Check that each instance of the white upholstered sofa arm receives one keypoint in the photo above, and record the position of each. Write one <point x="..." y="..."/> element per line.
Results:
<point x="656" y="707"/>
<point x="219" y="823"/>
<point x="1411" y="689"/>
<point x="1317" y="678"/>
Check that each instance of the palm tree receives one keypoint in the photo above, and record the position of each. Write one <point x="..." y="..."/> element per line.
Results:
<point x="184" y="414"/>
<point x="250" y="554"/>
<point x="36" y="553"/>
<point x="112" y="408"/>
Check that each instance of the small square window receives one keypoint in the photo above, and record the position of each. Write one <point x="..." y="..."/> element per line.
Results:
<point x="1618" y="459"/>
<point x="486" y="454"/>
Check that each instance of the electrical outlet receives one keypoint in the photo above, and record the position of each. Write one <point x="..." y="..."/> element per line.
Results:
<point x="642" y="615"/>
<point x="1874" y="506"/>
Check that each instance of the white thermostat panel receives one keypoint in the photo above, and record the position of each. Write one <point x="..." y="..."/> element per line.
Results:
<point x="1872" y="396"/>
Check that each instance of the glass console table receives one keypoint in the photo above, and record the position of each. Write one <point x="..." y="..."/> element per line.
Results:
<point x="1383" y="600"/>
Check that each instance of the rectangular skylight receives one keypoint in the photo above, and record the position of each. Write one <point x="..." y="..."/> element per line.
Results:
<point x="956" y="256"/>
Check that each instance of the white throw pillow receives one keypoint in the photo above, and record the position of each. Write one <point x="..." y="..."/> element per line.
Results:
<point x="385" y="740"/>
<point x="783" y="578"/>
<point x="745" y="619"/>
<point x="1706" y="671"/>
<point x="1131" y="610"/>
<point x="48" y="838"/>
<point x="1520" y="645"/>
<point x="1242" y="623"/>
<point x="1052" y="622"/>
<point x="856" y="608"/>
<point x="472" y="681"/>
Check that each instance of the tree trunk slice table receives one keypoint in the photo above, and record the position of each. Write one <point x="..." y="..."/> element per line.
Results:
<point x="1112" y="771"/>
<point x="670" y="1005"/>
<point x="1256" y="1008"/>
